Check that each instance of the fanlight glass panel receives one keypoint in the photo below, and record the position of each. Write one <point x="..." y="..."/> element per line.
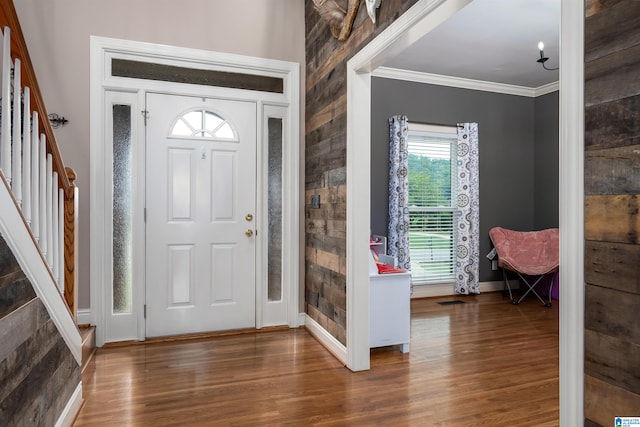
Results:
<point x="203" y="124"/>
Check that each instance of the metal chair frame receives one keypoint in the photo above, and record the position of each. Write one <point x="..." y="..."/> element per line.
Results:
<point x="531" y="287"/>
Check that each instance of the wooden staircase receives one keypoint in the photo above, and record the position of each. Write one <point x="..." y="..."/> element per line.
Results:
<point x="88" y="334"/>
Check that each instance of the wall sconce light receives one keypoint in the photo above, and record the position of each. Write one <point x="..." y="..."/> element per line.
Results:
<point x="56" y="120"/>
<point x="543" y="58"/>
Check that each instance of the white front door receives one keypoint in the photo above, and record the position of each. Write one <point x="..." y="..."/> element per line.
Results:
<point x="200" y="214"/>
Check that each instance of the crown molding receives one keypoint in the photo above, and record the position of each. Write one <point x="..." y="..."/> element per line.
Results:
<point x="548" y="88"/>
<point x="440" y="80"/>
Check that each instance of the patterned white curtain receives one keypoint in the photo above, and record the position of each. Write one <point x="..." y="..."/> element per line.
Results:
<point x="468" y="215"/>
<point x="398" y="232"/>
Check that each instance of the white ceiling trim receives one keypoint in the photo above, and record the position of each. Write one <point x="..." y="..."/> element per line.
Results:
<point x="548" y="88"/>
<point x="436" y="79"/>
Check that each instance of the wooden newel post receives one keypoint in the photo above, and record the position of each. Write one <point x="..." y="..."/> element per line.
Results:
<point x="71" y="244"/>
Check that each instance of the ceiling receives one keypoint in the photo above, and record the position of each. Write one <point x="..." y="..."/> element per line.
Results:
<point x="493" y="41"/>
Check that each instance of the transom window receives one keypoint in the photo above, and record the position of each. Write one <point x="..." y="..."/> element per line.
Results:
<point x="203" y="124"/>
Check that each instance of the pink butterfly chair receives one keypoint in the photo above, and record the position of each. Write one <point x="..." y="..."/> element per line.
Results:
<point x="531" y="254"/>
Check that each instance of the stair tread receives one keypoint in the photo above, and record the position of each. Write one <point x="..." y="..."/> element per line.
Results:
<point x="86" y="332"/>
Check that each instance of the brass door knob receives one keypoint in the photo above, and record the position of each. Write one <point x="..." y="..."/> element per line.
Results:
<point x="249" y="217"/>
<point x="249" y="233"/>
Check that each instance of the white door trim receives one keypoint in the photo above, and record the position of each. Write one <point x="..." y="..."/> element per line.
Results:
<point x="102" y="50"/>
<point x="417" y="21"/>
<point x="572" y="213"/>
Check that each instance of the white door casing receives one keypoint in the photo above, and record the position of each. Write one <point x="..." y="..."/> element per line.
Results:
<point x="112" y="326"/>
<point x="200" y="227"/>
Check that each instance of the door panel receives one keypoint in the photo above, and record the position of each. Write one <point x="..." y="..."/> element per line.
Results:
<point x="222" y="262"/>
<point x="180" y="279"/>
<point x="200" y="260"/>
<point x="181" y="182"/>
<point x="223" y="183"/>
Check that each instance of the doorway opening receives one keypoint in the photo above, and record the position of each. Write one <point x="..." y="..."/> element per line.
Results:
<point x="421" y="18"/>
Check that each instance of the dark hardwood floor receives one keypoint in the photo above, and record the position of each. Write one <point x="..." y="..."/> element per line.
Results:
<point x="481" y="363"/>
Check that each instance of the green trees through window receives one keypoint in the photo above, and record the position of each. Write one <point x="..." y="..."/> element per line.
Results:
<point x="431" y="210"/>
<point x="432" y="176"/>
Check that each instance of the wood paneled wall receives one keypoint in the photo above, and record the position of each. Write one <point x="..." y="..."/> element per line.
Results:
<point x="612" y="205"/>
<point x="38" y="373"/>
<point x="325" y="163"/>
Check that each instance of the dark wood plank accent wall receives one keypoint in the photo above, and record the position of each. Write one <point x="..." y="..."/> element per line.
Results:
<point x="612" y="205"/>
<point x="325" y="163"/>
<point x="38" y="373"/>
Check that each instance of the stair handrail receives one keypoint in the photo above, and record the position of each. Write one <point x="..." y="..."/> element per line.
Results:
<point x="66" y="176"/>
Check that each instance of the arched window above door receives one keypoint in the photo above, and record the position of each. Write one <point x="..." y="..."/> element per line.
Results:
<point x="205" y="124"/>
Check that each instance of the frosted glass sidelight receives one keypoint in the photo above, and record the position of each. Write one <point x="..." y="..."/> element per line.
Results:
<point x="122" y="210"/>
<point x="274" y="184"/>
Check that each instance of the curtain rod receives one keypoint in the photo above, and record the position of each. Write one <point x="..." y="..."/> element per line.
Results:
<point x="437" y="124"/>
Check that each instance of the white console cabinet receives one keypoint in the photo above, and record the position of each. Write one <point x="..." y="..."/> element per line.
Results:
<point x="390" y="314"/>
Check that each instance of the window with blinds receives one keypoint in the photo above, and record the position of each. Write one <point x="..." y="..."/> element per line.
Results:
<point x="432" y="198"/>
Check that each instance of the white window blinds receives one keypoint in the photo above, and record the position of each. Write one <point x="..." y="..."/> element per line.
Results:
<point x="431" y="178"/>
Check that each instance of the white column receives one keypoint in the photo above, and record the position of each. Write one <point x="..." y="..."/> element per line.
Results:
<point x="26" y="156"/>
<point x="5" y="122"/>
<point x="54" y="225"/>
<point x="16" y="167"/>
<point x="61" y="240"/>
<point x="42" y="203"/>
<point x="49" y="210"/>
<point x="35" y="178"/>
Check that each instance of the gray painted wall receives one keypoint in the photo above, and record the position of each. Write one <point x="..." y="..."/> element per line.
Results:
<point x="507" y="127"/>
<point x="547" y="160"/>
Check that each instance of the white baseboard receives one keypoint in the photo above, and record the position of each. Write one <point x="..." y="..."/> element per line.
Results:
<point x="446" y="289"/>
<point x="301" y="319"/>
<point x="71" y="409"/>
<point x="85" y="317"/>
<point x="326" y="339"/>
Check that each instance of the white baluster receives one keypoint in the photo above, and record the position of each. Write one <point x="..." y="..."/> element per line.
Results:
<point x="49" y="208"/>
<point x="5" y="122"/>
<point x="54" y="225"/>
<point x="42" y="179"/>
<point x="26" y="157"/>
<point x="35" y="178"/>
<point x="61" y="240"/>
<point x="16" y="167"/>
